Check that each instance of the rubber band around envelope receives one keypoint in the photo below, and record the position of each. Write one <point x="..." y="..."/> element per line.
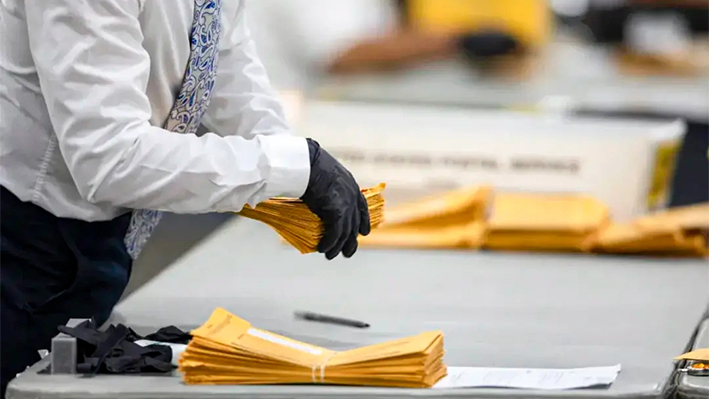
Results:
<point x="322" y="367"/>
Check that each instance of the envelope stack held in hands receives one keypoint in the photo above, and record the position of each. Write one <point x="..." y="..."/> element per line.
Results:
<point x="228" y="350"/>
<point x="544" y="222"/>
<point x="294" y="221"/>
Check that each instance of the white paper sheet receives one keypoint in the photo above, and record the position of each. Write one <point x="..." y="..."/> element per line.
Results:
<point x="548" y="379"/>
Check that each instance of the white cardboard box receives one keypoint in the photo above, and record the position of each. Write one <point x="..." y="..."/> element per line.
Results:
<point x="418" y="150"/>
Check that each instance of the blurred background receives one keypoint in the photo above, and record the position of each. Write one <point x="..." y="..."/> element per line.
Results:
<point x="608" y="98"/>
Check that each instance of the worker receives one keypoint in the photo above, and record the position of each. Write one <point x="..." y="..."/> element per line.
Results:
<point x="99" y="104"/>
<point x="303" y="40"/>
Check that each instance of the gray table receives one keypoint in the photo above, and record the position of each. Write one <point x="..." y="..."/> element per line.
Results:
<point x="505" y="310"/>
<point x="692" y="387"/>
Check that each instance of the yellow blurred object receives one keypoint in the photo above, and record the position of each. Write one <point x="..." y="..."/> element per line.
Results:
<point x="699" y="355"/>
<point x="446" y="221"/>
<point x="228" y="350"/>
<point x="529" y="21"/>
<point x="690" y="217"/>
<point x="547" y="212"/>
<point x="539" y="241"/>
<point x="677" y="232"/>
<point x="457" y="236"/>
<point x="301" y="228"/>
<point x="630" y="238"/>
<point x="664" y="168"/>
<point x="544" y="222"/>
<point x="455" y="207"/>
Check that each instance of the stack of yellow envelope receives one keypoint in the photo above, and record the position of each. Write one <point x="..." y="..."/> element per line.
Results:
<point x="294" y="221"/>
<point x="544" y="222"/>
<point x="451" y="220"/>
<point x="675" y="232"/>
<point x="228" y="350"/>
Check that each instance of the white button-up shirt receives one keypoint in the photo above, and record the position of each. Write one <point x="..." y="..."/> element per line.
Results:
<point x="85" y="87"/>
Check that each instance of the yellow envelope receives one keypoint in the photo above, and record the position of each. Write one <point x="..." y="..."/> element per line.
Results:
<point x="301" y="228"/>
<point x="467" y="236"/>
<point x="452" y="208"/>
<point x="538" y="241"/>
<point x="544" y="222"/>
<point x="691" y="217"/>
<point x="547" y="212"/>
<point x="674" y="232"/>
<point x="229" y="350"/>
<point x="699" y="355"/>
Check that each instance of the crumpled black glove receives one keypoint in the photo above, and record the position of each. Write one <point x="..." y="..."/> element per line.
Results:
<point x="333" y="195"/>
<point x="487" y="44"/>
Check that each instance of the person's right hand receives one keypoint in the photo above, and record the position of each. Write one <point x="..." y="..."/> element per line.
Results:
<point x="335" y="197"/>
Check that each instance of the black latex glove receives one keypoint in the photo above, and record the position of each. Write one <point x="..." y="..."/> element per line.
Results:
<point x="333" y="195"/>
<point x="487" y="44"/>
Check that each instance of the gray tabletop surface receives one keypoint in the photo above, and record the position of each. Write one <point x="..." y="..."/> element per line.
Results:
<point x="497" y="310"/>
<point x="693" y="387"/>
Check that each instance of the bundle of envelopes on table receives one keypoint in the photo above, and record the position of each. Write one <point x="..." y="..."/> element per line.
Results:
<point x="294" y="221"/>
<point x="544" y="222"/>
<point x="675" y="232"/>
<point x="228" y="350"/>
<point x="451" y="220"/>
<point x="478" y="217"/>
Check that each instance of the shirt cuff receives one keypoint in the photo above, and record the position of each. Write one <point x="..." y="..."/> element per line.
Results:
<point x="289" y="160"/>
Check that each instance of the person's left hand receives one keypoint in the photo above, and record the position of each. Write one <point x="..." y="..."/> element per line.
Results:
<point x="335" y="197"/>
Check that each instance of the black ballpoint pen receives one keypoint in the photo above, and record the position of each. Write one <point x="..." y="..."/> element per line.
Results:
<point x="330" y="319"/>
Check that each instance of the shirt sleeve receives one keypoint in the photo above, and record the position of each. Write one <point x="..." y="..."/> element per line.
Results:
<point x="94" y="72"/>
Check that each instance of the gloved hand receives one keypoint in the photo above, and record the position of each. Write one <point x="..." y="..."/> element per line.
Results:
<point x="333" y="195"/>
<point x="487" y="44"/>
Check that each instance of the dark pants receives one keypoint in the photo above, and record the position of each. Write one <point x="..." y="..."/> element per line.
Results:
<point x="53" y="269"/>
